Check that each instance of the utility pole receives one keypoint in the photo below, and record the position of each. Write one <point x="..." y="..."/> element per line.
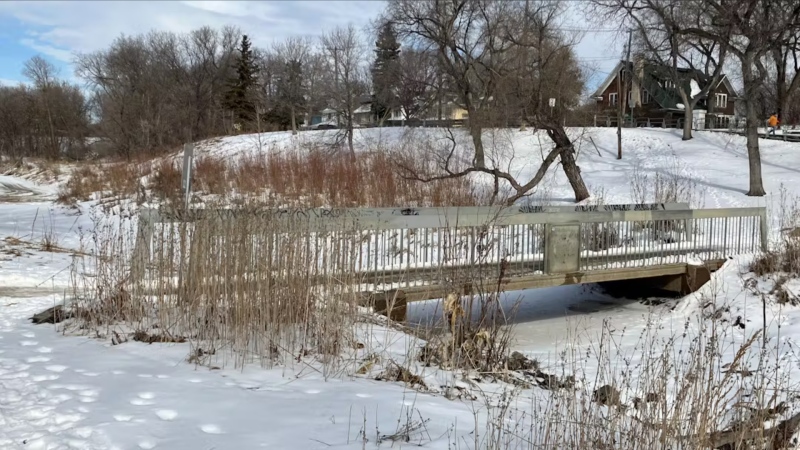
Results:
<point x="622" y="96"/>
<point x="336" y="82"/>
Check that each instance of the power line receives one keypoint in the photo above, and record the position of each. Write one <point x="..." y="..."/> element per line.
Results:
<point x="589" y="30"/>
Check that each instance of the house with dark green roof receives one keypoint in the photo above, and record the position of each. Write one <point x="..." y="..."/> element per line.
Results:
<point x="653" y="97"/>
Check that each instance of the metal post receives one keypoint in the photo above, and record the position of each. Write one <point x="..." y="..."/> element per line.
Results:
<point x="764" y="231"/>
<point x="186" y="181"/>
<point x="144" y="237"/>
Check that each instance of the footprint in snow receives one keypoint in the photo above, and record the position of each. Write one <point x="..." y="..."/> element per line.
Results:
<point x="44" y="349"/>
<point x="40" y="378"/>
<point x="211" y="429"/>
<point x="313" y="391"/>
<point x="166" y="414"/>
<point x="37" y="359"/>
<point x="29" y="334"/>
<point x="144" y="399"/>
<point x="56" y="368"/>
<point x="147" y="445"/>
<point x="28" y="343"/>
<point x="83" y="432"/>
<point x="122" y="417"/>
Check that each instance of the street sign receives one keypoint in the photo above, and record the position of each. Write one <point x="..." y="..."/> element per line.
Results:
<point x="552" y="102"/>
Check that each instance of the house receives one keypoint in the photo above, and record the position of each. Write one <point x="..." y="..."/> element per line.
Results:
<point x="363" y="116"/>
<point x="654" y="100"/>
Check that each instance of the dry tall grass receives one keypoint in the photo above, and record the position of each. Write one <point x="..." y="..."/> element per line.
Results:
<point x="708" y="386"/>
<point x="316" y="177"/>
<point x="251" y="287"/>
<point x="121" y="180"/>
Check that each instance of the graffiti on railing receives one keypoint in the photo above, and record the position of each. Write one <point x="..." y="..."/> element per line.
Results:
<point x="532" y="209"/>
<point x="265" y="214"/>
<point x="634" y="207"/>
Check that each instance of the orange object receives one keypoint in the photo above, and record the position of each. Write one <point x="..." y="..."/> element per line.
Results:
<point x="773" y="120"/>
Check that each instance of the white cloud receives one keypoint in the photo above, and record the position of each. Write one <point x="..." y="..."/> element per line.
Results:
<point x="61" y="28"/>
<point x="7" y="82"/>
<point x="57" y="53"/>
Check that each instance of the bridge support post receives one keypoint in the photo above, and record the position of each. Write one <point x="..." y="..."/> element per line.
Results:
<point x="141" y="247"/>
<point x="392" y="304"/>
<point x="764" y="225"/>
<point x="562" y="247"/>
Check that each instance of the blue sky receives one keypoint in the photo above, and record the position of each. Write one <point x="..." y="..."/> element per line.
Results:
<point x="57" y="30"/>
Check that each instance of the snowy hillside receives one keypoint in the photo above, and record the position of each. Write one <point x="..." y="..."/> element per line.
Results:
<point x="61" y="392"/>
<point x="715" y="162"/>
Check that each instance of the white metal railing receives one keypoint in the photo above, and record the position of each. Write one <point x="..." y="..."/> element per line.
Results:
<point x="402" y="247"/>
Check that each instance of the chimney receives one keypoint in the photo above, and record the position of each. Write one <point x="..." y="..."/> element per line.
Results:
<point x="637" y="70"/>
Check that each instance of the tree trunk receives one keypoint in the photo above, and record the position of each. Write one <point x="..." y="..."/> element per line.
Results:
<point x="294" y="121"/>
<point x="688" y="118"/>
<point x="350" y="139"/>
<point x="571" y="169"/>
<point x="780" y="80"/>
<point x="711" y="103"/>
<point x="476" y="132"/>
<point x="751" y="126"/>
<point x="688" y="114"/>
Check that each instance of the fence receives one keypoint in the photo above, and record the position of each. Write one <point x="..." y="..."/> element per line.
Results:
<point x="380" y="249"/>
<point x="698" y="123"/>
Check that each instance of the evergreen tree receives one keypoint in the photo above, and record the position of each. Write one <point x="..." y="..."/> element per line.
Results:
<point x="385" y="72"/>
<point x="241" y="90"/>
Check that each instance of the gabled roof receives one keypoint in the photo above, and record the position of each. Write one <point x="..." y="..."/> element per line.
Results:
<point x="605" y="84"/>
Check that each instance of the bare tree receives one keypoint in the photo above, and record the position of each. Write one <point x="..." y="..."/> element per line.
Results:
<point x="43" y="75"/>
<point x="475" y="45"/>
<point x="786" y="61"/>
<point x="416" y="82"/>
<point x="48" y="118"/>
<point x="750" y="29"/>
<point x="153" y="91"/>
<point x="690" y="65"/>
<point x="293" y="53"/>
<point x="347" y="83"/>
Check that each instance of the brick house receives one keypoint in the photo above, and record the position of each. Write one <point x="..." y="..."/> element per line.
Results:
<point x="653" y="99"/>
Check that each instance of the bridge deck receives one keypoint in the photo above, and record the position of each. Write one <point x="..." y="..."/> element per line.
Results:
<point x="536" y="281"/>
<point x="426" y="252"/>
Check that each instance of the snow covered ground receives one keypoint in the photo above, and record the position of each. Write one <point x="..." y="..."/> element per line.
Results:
<point x="75" y="392"/>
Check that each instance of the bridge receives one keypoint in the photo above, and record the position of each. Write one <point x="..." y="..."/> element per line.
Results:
<point x="399" y="255"/>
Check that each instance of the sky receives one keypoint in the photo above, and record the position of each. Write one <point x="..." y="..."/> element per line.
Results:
<point x="57" y="30"/>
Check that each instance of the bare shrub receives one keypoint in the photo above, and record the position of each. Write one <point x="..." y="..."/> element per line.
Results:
<point x="117" y="179"/>
<point x="210" y="175"/>
<point x="675" y="185"/>
<point x="784" y="257"/>
<point x="82" y="183"/>
<point x="706" y="384"/>
<point x="243" y="283"/>
<point x="165" y="181"/>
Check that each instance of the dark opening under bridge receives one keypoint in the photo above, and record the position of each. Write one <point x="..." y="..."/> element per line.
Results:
<point x="427" y="253"/>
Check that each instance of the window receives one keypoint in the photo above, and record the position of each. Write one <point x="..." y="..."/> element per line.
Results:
<point x="721" y="100"/>
<point x="645" y="97"/>
<point x="612" y="99"/>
